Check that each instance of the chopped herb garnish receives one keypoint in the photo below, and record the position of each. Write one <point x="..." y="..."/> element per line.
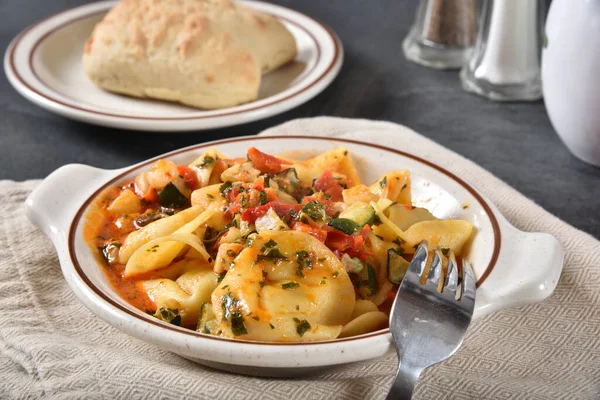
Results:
<point x="321" y="259"/>
<point x="221" y="276"/>
<point x="403" y="187"/>
<point x="290" y="285"/>
<point x="261" y="283"/>
<point x="210" y="196"/>
<point x="465" y="207"/>
<point x="225" y="287"/>
<point x="399" y="241"/>
<point x="323" y="282"/>
<point x="301" y="326"/>
<point x="256" y="318"/>
<point x="445" y="251"/>
<point x="232" y="313"/>
<point x="266" y="181"/>
<point x="271" y="325"/>
<point x="383" y="182"/>
<point x="207" y="161"/>
<point x="303" y="260"/>
<point x="271" y="254"/>
<point x="225" y="188"/>
<point x="263" y="198"/>
<point x="269" y="245"/>
<point x="315" y="210"/>
<point x="168" y="315"/>
<point x="336" y="274"/>
<point x="297" y="308"/>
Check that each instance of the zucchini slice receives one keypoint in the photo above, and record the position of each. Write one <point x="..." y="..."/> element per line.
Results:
<point x="397" y="266"/>
<point x="361" y="213"/>
<point x="171" y="197"/>
<point x="345" y="225"/>
<point x="365" y="281"/>
<point x="354" y="218"/>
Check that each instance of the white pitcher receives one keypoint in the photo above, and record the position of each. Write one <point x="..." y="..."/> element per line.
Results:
<point x="571" y="75"/>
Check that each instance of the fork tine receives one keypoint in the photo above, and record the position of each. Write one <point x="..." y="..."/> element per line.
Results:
<point x="451" y="283"/>
<point x="435" y="271"/>
<point x="469" y="283"/>
<point x="419" y="261"/>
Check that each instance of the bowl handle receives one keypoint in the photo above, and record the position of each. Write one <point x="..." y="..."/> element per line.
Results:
<point x="527" y="270"/>
<point x="53" y="204"/>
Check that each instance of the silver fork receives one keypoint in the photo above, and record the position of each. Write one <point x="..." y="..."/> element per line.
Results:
<point x="428" y="326"/>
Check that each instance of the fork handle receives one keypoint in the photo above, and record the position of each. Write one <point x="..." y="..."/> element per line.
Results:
<point x="405" y="381"/>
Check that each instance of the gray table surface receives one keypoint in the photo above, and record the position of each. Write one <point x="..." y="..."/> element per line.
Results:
<point x="514" y="141"/>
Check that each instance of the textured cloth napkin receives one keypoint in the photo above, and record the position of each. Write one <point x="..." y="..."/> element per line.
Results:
<point x="51" y="346"/>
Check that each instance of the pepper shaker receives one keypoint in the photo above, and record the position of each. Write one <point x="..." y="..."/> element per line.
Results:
<point x="443" y="34"/>
<point x="505" y="65"/>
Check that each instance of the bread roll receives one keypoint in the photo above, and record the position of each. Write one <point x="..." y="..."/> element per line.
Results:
<point x="204" y="53"/>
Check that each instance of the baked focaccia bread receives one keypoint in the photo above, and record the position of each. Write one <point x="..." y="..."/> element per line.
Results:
<point x="203" y="53"/>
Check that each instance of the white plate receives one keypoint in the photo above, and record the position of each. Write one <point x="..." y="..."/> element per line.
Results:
<point x="512" y="267"/>
<point x="44" y="64"/>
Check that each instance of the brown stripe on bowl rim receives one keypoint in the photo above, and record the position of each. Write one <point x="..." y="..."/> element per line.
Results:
<point x="155" y="321"/>
<point x="332" y="35"/>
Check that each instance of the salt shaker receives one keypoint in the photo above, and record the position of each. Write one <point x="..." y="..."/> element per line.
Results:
<point x="505" y="65"/>
<point x="443" y="34"/>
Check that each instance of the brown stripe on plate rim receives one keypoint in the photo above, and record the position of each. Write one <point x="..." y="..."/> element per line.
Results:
<point x="154" y="321"/>
<point x="332" y="35"/>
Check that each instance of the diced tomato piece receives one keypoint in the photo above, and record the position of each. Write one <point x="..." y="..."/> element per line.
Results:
<point x="353" y="245"/>
<point x="151" y="196"/>
<point x="252" y="214"/>
<point x="286" y="211"/>
<point x="259" y="185"/>
<point x="328" y="184"/>
<point x="316" y="232"/>
<point x="189" y="176"/>
<point x="266" y="163"/>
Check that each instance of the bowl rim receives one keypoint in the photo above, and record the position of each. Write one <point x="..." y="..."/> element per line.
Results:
<point x="149" y="319"/>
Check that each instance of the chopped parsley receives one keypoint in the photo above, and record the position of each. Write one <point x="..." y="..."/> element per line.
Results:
<point x="290" y="285"/>
<point x="399" y="241"/>
<point x="315" y="210"/>
<point x="168" y="315"/>
<point x="303" y="260"/>
<point x="383" y="182"/>
<point x="207" y="161"/>
<point x="225" y="188"/>
<point x="270" y="252"/>
<point x="263" y="198"/>
<point x="231" y="313"/>
<point x="302" y="326"/>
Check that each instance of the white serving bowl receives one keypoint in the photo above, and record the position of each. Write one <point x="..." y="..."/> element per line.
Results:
<point x="513" y="267"/>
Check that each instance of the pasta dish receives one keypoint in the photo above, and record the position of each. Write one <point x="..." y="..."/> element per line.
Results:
<point x="264" y="248"/>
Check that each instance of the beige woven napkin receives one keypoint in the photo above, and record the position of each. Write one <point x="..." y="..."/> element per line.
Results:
<point x="51" y="346"/>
